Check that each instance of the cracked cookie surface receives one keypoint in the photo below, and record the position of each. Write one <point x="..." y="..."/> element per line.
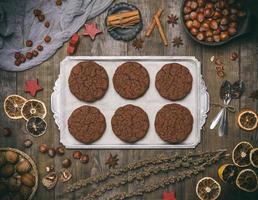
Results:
<point x="130" y="123"/>
<point x="173" y="81"/>
<point x="173" y="123"/>
<point x="88" y="81"/>
<point x="131" y="80"/>
<point x="87" y="124"/>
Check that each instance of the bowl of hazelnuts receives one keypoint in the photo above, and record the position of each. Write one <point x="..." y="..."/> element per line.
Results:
<point x="215" y="22"/>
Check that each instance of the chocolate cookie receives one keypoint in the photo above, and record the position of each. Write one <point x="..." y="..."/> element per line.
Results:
<point x="174" y="81"/>
<point x="131" y="80"/>
<point x="173" y="123"/>
<point x="130" y="123"/>
<point x="87" y="124"/>
<point x="88" y="81"/>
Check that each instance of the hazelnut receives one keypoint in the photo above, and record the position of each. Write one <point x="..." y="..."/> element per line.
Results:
<point x="205" y="27"/>
<point x="216" y="38"/>
<point x="224" y="35"/>
<point x="233" y="11"/>
<point x="29" y="55"/>
<point x="216" y="32"/>
<point x="17" y="55"/>
<point x="66" y="163"/>
<point x="37" y="12"/>
<point x="189" y="24"/>
<point x="196" y="24"/>
<point x="225" y="12"/>
<point x="232" y="31"/>
<point x="47" y="24"/>
<point x="200" y="3"/>
<point x="214" y="24"/>
<point x="224" y="21"/>
<point x="193" y="15"/>
<point x="233" y="24"/>
<point x="77" y="154"/>
<point x="194" y="5"/>
<point x="51" y="152"/>
<point x="43" y="148"/>
<point x="41" y="18"/>
<point x="17" y="62"/>
<point x="47" y="39"/>
<point x="187" y="10"/>
<point x="84" y="159"/>
<point x="23" y="58"/>
<point x="40" y="48"/>
<point x="209" y="39"/>
<point x="29" y="43"/>
<point x="209" y="5"/>
<point x="221" y="4"/>
<point x="216" y="15"/>
<point x="35" y="53"/>
<point x="233" y="18"/>
<point x="241" y="14"/>
<point x="200" y="17"/>
<point x="200" y="36"/>
<point x="60" y="150"/>
<point x="188" y="3"/>
<point x="208" y="12"/>
<point x="208" y="34"/>
<point x="28" y="143"/>
<point x="187" y="17"/>
<point x="201" y="10"/>
<point x="194" y="31"/>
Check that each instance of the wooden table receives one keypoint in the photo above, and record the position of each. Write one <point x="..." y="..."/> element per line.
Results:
<point x="245" y="68"/>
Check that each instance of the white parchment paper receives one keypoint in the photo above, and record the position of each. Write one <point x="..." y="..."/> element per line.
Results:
<point x="151" y="102"/>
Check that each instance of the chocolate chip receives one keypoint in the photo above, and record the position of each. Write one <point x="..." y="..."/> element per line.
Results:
<point x="47" y="24"/>
<point x="35" y="53"/>
<point x="41" y="18"/>
<point x="23" y="58"/>
<point x="47" y="39"/>
<point x="29" y="43"/>
<point x="37" y="12"/>
<point x="17" y="62"/>
<point x="17" y="55"/>
<point x="29" y="55"/>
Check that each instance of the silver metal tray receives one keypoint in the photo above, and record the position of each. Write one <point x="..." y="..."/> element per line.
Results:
<point x="63" y="102"/>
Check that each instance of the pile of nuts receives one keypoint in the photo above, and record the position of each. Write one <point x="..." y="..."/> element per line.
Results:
<point x="212" y="20"/>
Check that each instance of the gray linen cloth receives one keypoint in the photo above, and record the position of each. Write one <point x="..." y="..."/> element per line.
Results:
<point x="18" y="24"/>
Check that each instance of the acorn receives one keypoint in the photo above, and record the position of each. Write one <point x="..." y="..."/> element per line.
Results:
<point x="7" y="170"/>
<point x="28" y="180"/>
<point x="23" y="167"/>
<point x="11" y="157"/>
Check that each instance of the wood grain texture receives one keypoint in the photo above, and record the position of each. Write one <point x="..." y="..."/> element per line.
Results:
<point x="244" y="68"/>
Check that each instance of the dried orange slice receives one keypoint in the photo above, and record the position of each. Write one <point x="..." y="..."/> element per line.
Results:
<point x="33" y="108"/>
<point x="13" y="105"/>
<point x="247" y="119"/>
<point x="36" y="126"/>
<point x="240" y="154"/>
<point x="208" y="189"/>
<point x="228" y="173"/>
<point x="254" y="157"/>
<point x="247" y="180"/>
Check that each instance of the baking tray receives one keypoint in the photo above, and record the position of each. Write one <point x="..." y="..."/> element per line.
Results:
<point x="63" y="102"/>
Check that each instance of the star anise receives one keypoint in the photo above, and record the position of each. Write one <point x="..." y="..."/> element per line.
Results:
<point x="112" y="161"/>
<point x="177" y="41"/>
<point x="254" y="95"/>
<point x="138" y="44"/>
<point x="172" y="19"/>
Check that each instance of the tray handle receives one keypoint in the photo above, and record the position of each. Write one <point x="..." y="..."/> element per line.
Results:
<point x="55" y="102"/>
<point x="204" y="102"/>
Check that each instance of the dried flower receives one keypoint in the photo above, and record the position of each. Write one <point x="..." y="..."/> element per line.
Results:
<point x="177" y="41"/>
<point x="172" y="19"/>
<point x="138" y="44"/>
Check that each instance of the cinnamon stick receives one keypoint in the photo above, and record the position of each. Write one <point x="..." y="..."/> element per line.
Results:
<point x="122" y="15"/>
<point x="123" y="21"/>
<point x="161" y="31"/>
<point x="153" y="23"/>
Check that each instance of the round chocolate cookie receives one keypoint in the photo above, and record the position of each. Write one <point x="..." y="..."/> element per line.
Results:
<point x="87" y="124"/>
<point x="131" y="80"/>
<point x="88" y="81"/>
<point x="174" y="81"/>
<point x="130" y="123"/>
<point x="173" y="123"/>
